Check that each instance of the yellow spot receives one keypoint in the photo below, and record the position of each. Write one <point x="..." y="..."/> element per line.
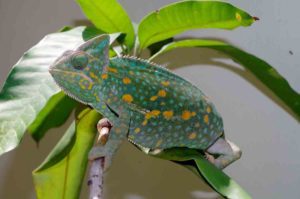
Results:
<point x="165" y="83"/>
<point x="168" y="114"/>
<point x="93" y="75"/>
<point x="104" y="76"/>
<point x="127" y="98"/>
<point x="131" y="73"/>
<point x="206" y="119"/>
<point x="192" y="136"/>
<point x="151" y="114"/>
<point x="113" y="70"/>
<point x="238" y="16"/>
<point x="193" y="113"/>
<point x="83" y="84"/>
<point x="153" y="98"/>
<point x="162" y="93"/>
<point x="162" y="103"/>
<point x="186" y="115"/>
<point x="159" y="142"/>
<point x="126" y="80"/>
<point x="155" y="112"/>
<point x="208" y="109"/>
<point x="137" y="130"/>
<point x="145" y="122"/>
<point x="90" y="86"/>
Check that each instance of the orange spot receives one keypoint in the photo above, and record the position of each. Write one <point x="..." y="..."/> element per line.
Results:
<point x="168" y="114"/>
<point x="206" y="119"/>
<point x="186" y="115"/>
<point x="104" y="76"/>
<point x="113" y="70"/>
<point x="192" y="135"/>
<point x="193" y="113"/>
<point x="151" y="114"/>
<point x="162" y="93"/>
<point x="137" y="130"/>
<point x="208" y="109"/>
<point x="126" y="80"/>
<point x="145" y="122"/>
<point x="155" y="112"/>
<point x="153" y="98"/>
<point x="165" y="83"/>
<point x="127" y="98"/>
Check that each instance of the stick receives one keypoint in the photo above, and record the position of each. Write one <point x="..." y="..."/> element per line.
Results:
<point x="95" y="181"/>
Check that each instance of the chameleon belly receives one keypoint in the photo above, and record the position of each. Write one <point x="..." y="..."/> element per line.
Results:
<point x="165" y="110"/>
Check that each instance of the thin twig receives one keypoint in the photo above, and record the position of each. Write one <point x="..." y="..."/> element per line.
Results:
<point x="95" y="181"/>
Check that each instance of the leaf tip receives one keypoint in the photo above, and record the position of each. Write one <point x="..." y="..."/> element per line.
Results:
<point x="255" y="18"/>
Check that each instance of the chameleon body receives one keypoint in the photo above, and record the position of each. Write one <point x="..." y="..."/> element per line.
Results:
<point x="146" y="103"/>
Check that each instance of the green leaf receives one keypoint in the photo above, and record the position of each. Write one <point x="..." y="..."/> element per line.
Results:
<point x="261" y="69"/>
<point x="182" y="16"/>
<point x="54" y="114"/>
<point x="109" y="16"/>
<point x="29" y="87"/>
<point x="194" y="161"/>
<point x="61" y="175"/>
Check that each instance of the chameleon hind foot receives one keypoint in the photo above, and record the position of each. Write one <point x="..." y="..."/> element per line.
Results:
<point x="225" y="152"/>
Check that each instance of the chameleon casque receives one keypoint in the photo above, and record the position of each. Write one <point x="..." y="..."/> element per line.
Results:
<point x="152" y="107"/>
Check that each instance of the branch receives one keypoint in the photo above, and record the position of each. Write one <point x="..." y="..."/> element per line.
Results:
<point x="95" y="181"/>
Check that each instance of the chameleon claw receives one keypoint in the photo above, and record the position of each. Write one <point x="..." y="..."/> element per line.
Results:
<point x="103" y="128"/>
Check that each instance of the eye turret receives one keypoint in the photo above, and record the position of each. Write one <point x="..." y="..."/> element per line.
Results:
<point x="79" y="60"/>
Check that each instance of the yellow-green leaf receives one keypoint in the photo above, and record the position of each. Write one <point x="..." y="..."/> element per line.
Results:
<point x="186" y="15"/>
<point x="109" y="16"/>
<point x="61" y="175"/>
<point x="194" y="161"/>
<point x="261" y="69"/>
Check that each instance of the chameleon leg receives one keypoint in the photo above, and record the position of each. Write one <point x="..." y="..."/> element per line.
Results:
<point x="225" y="151"/>
<point x="109" y="140"/>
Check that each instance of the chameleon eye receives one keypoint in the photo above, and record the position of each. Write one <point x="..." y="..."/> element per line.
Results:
<point x="79" y="61"/>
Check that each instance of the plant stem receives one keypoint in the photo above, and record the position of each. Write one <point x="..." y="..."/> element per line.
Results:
<point x="95" y="181"/>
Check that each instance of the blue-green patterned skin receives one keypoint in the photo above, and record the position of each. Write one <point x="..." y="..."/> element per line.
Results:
<point x="151" y="106"/>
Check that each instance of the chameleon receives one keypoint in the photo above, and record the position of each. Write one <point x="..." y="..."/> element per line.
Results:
<point x="144" y="102"/>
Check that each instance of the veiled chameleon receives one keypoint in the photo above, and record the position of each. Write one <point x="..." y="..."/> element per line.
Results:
<point x="152" y="107"/>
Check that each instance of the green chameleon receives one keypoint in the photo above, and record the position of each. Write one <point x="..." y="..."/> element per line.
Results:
<point x="150" y="106"/>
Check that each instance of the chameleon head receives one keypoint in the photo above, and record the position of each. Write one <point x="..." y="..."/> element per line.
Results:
<point x="78" y="71"/>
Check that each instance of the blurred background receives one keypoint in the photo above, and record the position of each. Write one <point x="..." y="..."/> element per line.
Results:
<point x="267" y="134"/>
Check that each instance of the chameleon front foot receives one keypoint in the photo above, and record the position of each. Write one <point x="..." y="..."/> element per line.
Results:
<point x="103" y="128"/>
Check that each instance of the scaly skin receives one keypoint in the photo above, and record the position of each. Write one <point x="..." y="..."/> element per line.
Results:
<point x="147" y="104"/>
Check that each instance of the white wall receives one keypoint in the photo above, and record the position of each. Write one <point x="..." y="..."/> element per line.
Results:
<point x="268" y="135"/>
